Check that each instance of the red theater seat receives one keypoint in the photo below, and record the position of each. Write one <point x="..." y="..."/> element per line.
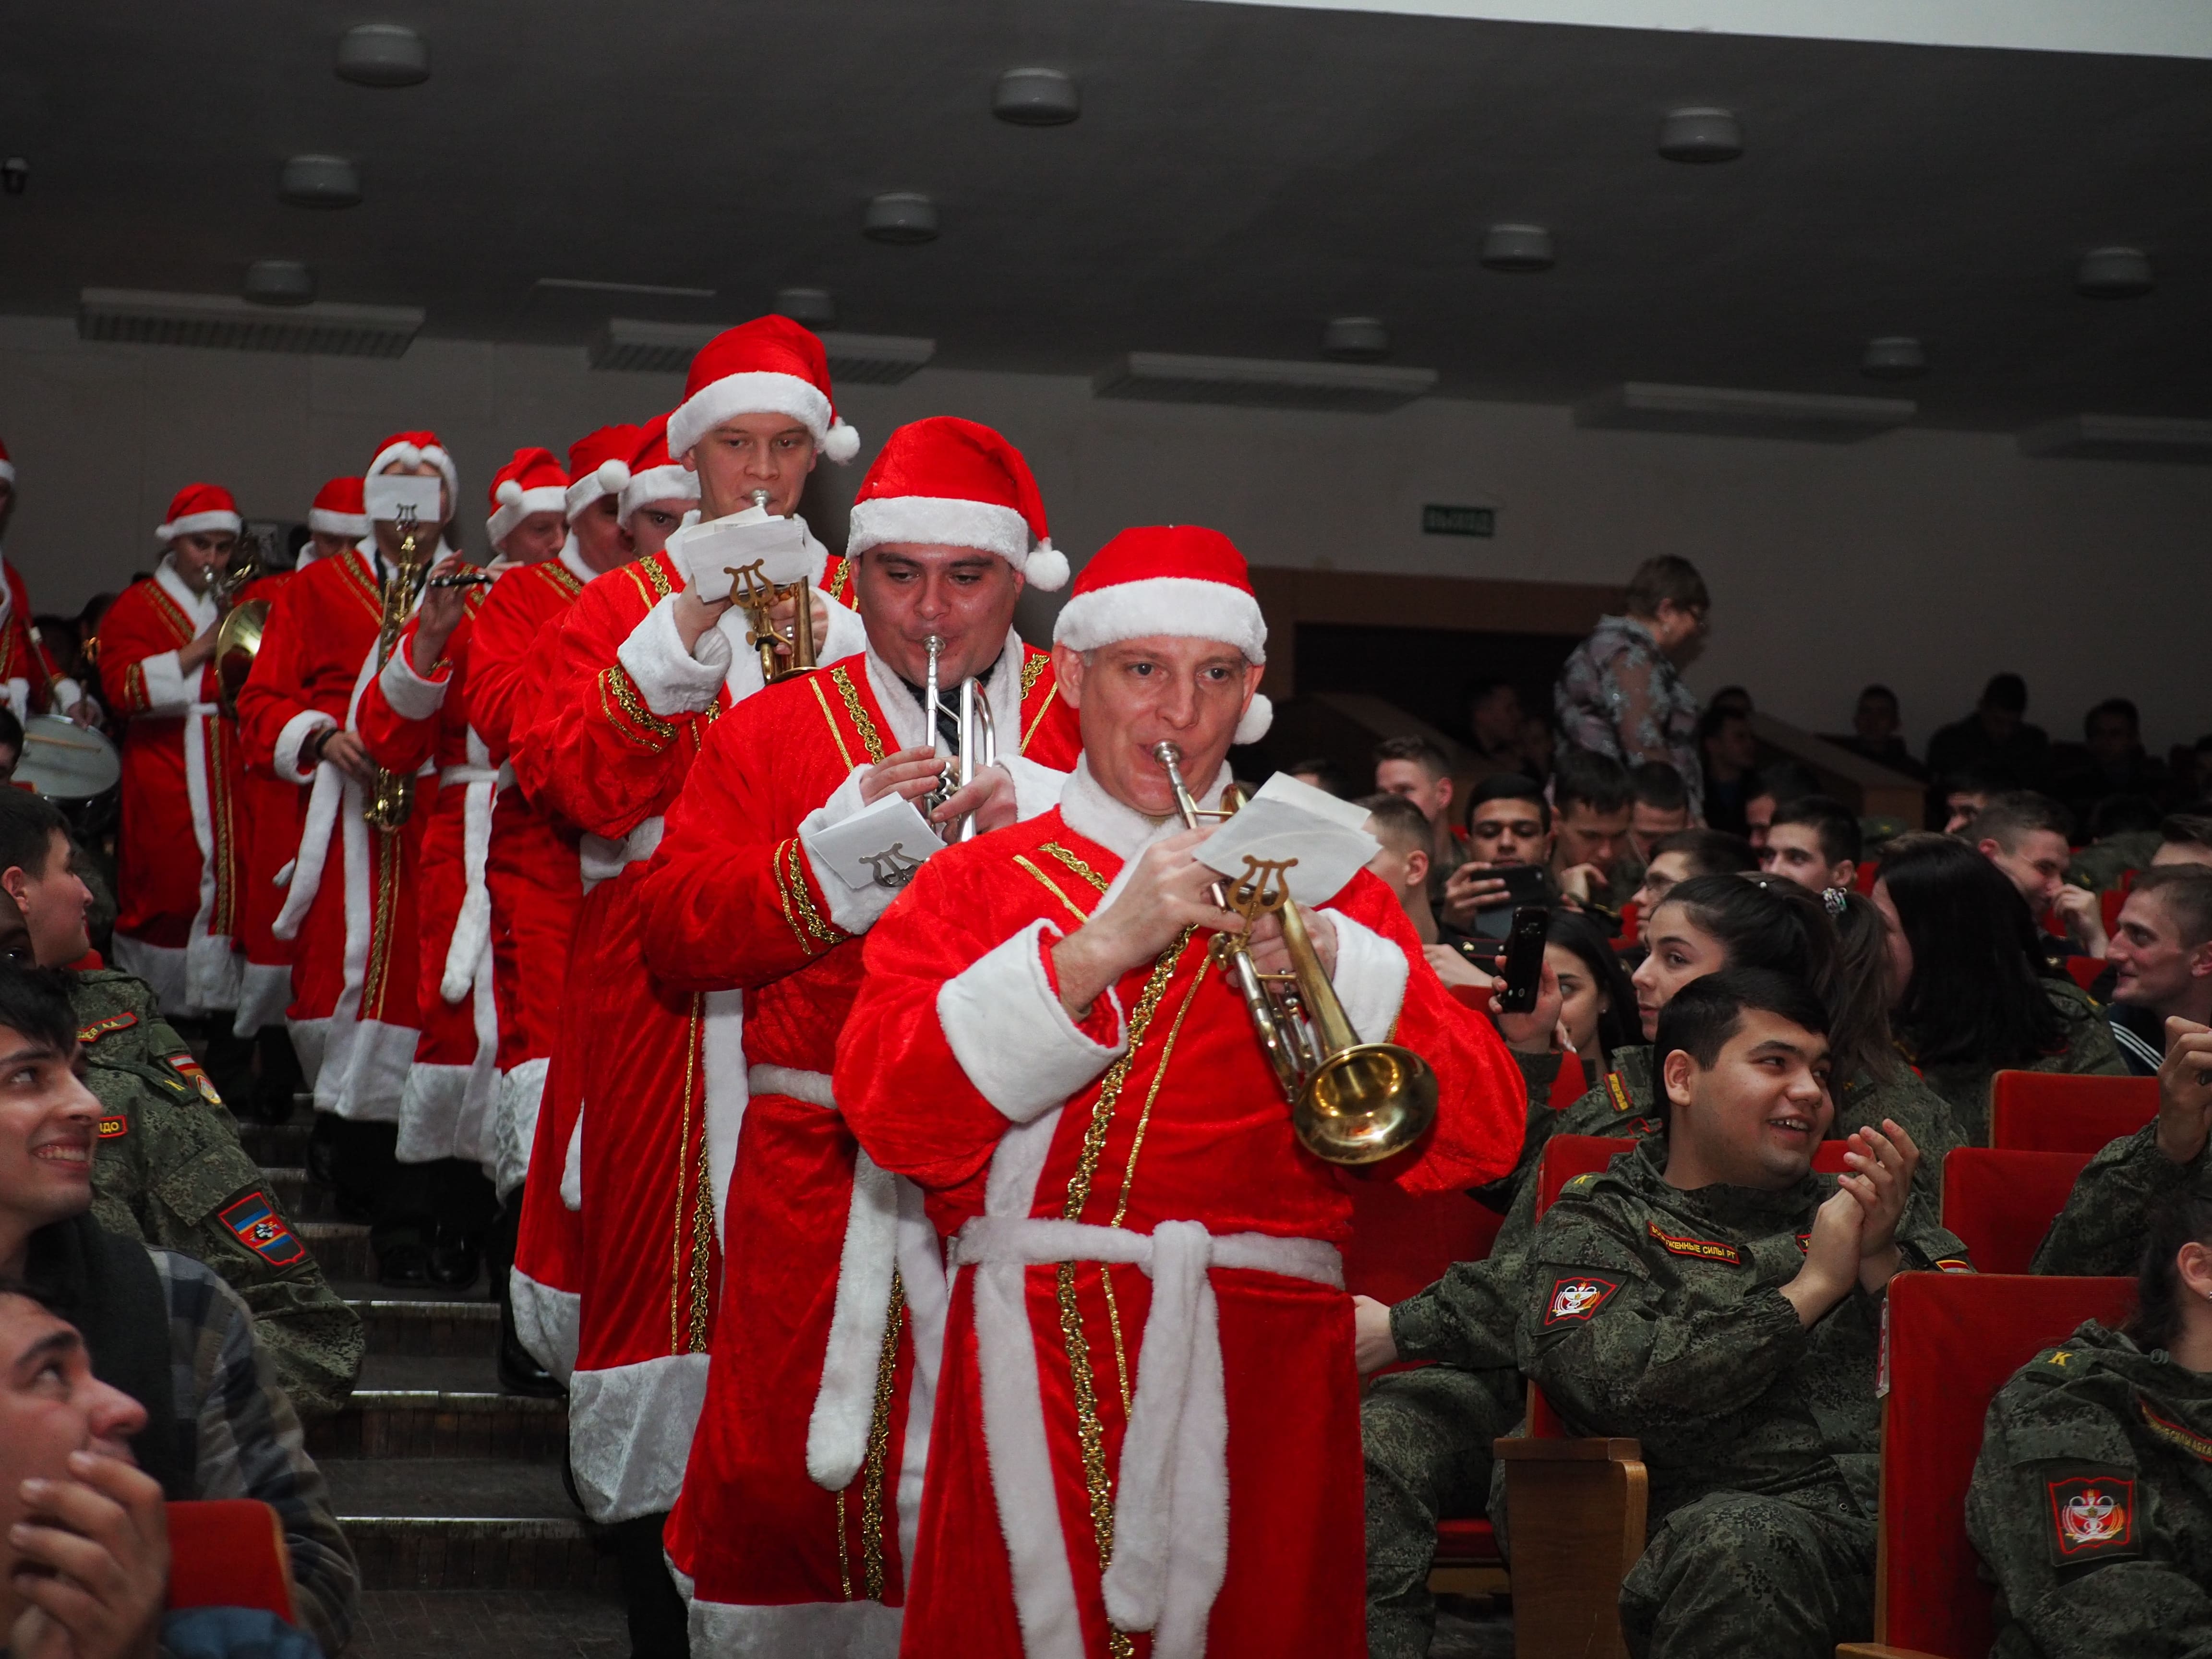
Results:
<point x="229" y="1553"/>
<point x="1954" y="1340"/>
<point x="2001" y="1202"/>
<point x="2085" y="971"/>
<point x="2048" y="1112"/>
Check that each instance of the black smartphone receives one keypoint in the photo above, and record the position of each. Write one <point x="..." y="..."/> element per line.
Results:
<point x="1524" y="959"/>
<point x="1524" y="883"/>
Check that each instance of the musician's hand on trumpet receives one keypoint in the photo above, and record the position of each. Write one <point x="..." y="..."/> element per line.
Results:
<point x="917" y="771"/>
<point x="346" y="751"/>
<point x="1167" y="891"/>
<point x="440" y="613"/>
<point x="1271" y="956"/>
<point x="695" y="616"/>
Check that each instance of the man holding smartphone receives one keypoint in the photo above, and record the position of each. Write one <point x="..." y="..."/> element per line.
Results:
<point x="1509" y="837"/>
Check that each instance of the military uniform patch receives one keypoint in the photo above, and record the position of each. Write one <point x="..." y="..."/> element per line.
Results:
<point x="1704" y="1249"/>
<point x="2092" y="1516"/>
<point x="185" y="1066"/>
<point x="1622" y="1101"/>
<point x="258" y="1227"/>
<point x="100" y="1028"/>
<point x="1953" y="1264"/>
<point x="1579" y="1297"/>
<point x="112" y="1127"/>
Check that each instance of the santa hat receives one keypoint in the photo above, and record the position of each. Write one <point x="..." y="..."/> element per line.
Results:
<point x="1176" y="580"/>
<point x="770" y="366"/>
<point x="946" y="482"/>
<point x="599" y="464"/>
<point x="652" y="477"/>
<point x="7" y="466"/>
<point x="198" y="508"/>
<point x="533" y="482"/>
<point x="412" y="449"/>
<point x="339" y="509"/>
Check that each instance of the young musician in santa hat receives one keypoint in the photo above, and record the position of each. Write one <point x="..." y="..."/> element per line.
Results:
<point x="1147" y="1420"/>
<point x="29" y="680"/>
<point x="798" y="1513"/>
<point x="349" y="905"/>
<point x="628" y="686"/>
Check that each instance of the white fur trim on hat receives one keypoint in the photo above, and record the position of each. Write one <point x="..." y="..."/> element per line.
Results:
<point x="948" y="521"/>
<point x="193" y="523"/>
<point x="325" y="522"/>
<point x="1182" y="607"/>
<point x="516" y="504"/>
<point x="7" y="471"/>
<point x="607" y="478"/>
<point x="415" y="455"/>
<point x="761" y="392"/>
<point x="656" y="483"/>
<point x="1254" y="724"/>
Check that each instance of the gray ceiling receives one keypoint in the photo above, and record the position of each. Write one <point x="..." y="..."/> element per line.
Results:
<point x="1239" y="174"/>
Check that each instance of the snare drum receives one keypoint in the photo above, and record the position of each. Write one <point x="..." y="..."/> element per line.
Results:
<point x="77" y="769"/>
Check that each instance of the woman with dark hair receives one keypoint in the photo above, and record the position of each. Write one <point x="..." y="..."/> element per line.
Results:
<point x="2092" y="1499"/>
<point x="1597" y="1004"/>
<point x="1967" y="995"/>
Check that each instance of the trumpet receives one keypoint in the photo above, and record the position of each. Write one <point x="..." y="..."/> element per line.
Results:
<point x="1351" y="1103"/>
<point x="238" y="635"/>
<point x="393" y="796"/>
<point x="979" y="740"/>
<point x="757" y="596"/>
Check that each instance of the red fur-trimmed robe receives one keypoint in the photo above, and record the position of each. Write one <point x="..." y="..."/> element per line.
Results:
<point x="27" y="667"/>
<point x="800" y="1503"/>
<point x="621" y="713"/>
<point x="180" y="854"/>
<point x="1221" y="1329"/>
<point x="350" y="904"/>
<point x="270" y="812"/>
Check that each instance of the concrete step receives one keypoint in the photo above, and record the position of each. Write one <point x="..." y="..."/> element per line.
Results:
<point x="466" y="1523"/>
<point x="340" y="1248"/>
<point x="276" y="1145"/>
<point x="421" y="1324"/>
<point x="301" y="1199"/>
<point x="554" y="1624"/>
<point x="440" y="1406"/>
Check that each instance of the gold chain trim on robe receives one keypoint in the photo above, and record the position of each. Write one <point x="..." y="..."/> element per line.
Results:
<point x="702" y="1242"/>
<point x="841" y="581"/>
<point x="1052" y="887"/>
<point x="787" y="866"/>
<point x="814" y="683"/>
<point x="222" y="919"/>
<point x="1076" y="863"/>
<point x="870" y="738"/>
<point x="384" y="853"/>
<point x="1033" y="670"/>
<point x="879" y="1445"/>
<point x="1039" y="718"/>
<point x="692" y="1033"/>
<point x="615" y="682"/>
<point x="844" y="1561"/>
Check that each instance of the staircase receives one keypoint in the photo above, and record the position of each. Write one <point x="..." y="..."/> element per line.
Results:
<point x="450" y="1490"/>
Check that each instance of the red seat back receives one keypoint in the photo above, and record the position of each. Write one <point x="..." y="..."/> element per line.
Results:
<point x="1571" y="1084"/>
<point x="2085" y="971"/>
<point x="229" y="1553"/>
<point x="2001" y="1202"/>
<point x="1954" y="1340"/>
<point x="1402" y="1241"/>
<point x="2049" y="1112"/>
<point x="1632" y="918"/>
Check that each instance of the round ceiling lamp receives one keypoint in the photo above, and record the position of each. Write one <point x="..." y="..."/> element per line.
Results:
<point x="1894" y="357"/>
<point x="1517" y="247"/>
<point x="1356" y="339"/>
<point x="279" y="283"/>
<point x="383" y="55"/>
<point x="2114" y="273"/>
<point x="320" y="181"/>
<point x="1701" y="134"/>
<point x="1037" y="98"/>
<point x="817" y="308"/>
<point x="901" y="217"/>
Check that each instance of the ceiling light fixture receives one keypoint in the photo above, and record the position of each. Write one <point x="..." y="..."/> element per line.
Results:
<point x="901" y="217"/>
<point x="640" y="347"/>
<point x="225" y="320"/>
<point x="1517" y="247"/>
<point x="817" y="308"/>
<point x="2120" y="437"/>
<point x="1168" y="377"/>
<point x="320" y="181"/>
<point x="1894" y="357"/>
<point x="2114" y="273"/>
<point x="383" y="55"/>
<point x="15" y="175"/>
<point x="1356" y="339"/>
<point x="1730" y="412"/>
<point x="1037" y="98"/>
<point x="1700" y="134"/>
<point x="279" y="283"/>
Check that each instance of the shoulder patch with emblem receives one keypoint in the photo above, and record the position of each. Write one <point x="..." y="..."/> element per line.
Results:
<point x="185" y="1066"/>
<point x="1702" y="1250"/>
<point x="2093" y="1516"/>
<point x="120" y="1021"/>
<point x="1614" y="1086"/>
<point x="261" y="1230"/>
<point x="112" y="1127"/>
<point x="1953" y="1264"/>
<point x="1578" y="1296"/>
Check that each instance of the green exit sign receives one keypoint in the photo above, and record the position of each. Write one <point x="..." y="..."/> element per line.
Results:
<point x="1459" y="521"/>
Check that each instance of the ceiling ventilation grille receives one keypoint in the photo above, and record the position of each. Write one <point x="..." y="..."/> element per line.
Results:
<point x="638" y="346"/>
<point x="229" y="324"/>
<point x="1260" y="383"/>
<point x="2120" y="437"/>
<point x="1726" y="412"/>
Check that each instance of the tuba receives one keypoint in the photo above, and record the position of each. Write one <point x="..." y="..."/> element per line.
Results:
<point x="757" y="596"/>
<point x="394" y="797"/>
<point x="979" y="740"/>
<point x="1351" y="1103"/>
<point x="238" y="635"/>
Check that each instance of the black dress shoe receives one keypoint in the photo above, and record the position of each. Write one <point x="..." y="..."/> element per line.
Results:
<point x="404" y="1266"/>
<point x="455" y="1263"/>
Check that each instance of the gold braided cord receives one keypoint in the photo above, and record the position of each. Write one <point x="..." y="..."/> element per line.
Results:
<point x="1090" y="1433"/>
<point x="691" y="1038"/>
<point x="1114" y="1325"/>
<point x="844" y="1563"/>
<point x="879" y="1444"/>
<point x="702" y="1244"/>
<point x="384" y="852"/>
<point x="871" y="739"/>
<point x="825" y="931"/>
<point x="1033" y="670"/>
<point x="662" y="587"/>
<point x="1080" y="914"/>
<point x="1038" y="718"/>
<point x="814" y="683"/>
<point x="1077" y="864"/>
<point x="615" y="683"/>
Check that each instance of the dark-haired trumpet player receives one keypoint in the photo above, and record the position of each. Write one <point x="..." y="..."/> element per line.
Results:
<point x="1148" y="1413"/>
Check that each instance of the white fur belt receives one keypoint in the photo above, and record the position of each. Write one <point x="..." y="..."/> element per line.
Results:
<point x="604" y="860"/>
<point x="1171" y="1509"/>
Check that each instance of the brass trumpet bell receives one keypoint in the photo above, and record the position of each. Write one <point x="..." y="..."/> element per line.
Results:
<point x="1365" y="1103"/>
<point x="237" y="643"/>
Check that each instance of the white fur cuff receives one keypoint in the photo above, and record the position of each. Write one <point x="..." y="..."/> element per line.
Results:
<point x="1369" y="979"/>
<point x="165" y="685"/>
<point x="672" y="680"/>
<point x="68" y="694"/>
<point x="297" y="730"/>
<point x="411" y="696"/>
<point x="855" y="909"/>
<point x="1006" y="1028"/>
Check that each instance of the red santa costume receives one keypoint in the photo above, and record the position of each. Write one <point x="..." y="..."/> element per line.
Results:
<point x="622" y="709"/>
<point x="353" y="1015"/>
<point x="180" y="858"/>
<point x="1148" y="1416"/>
<point x="28" y="680"/>
<point x="274" y="808"/>
<point x="825" y="1348"/>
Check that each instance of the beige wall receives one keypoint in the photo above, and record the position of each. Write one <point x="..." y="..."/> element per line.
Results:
<point x="1927" y="559"/>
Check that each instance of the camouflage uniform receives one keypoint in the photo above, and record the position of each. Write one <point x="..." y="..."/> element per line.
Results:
<point x="1655" y="1313"/>
<point x="170" y="1170"/>
<point x="2099" y="865"/>
<point x="2089" y="1051"/>
<point x="2102" y="1228"/>
<point x="2092" y="1504"/>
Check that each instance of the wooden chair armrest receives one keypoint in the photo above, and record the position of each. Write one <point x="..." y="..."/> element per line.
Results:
<point x="1590" y="1449"/>
<point x="1879" y="1651"/>
<point x="1577" y="1509"/>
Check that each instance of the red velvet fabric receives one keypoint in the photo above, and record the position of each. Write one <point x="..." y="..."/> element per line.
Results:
<point x="2001" y="1202"/>
<point x="229" y="1552"/>
<point x="1401" y="1242"/>
<point x="2052" y="1112"/>
<point x="270" y="813"/>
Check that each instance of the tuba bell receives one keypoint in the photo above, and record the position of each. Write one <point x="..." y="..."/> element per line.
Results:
<point x="238" y="635"/>
<point x="1351" y="1103"/>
